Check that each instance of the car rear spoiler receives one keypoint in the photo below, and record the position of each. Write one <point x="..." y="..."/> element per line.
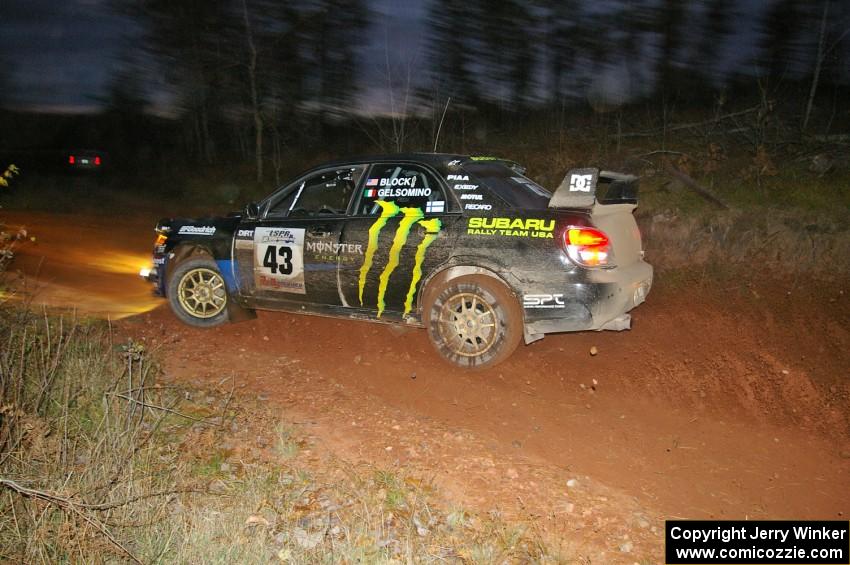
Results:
<point x="582" y="188"/>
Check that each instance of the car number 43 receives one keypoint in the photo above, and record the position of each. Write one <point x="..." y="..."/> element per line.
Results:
<point x="278" y="259"/>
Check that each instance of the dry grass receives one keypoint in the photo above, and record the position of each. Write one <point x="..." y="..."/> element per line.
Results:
<point x="101" y="463"/>
<point x="80" y="473"/>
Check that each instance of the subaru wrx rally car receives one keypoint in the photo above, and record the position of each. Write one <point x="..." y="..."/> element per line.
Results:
<point x="468" y="247"/>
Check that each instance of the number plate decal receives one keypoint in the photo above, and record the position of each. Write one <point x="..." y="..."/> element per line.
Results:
<point x="279" y="259"/>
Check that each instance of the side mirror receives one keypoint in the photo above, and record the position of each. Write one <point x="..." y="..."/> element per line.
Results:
<point x="252" y="211"/>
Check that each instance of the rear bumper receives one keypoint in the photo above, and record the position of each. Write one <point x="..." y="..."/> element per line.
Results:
<point x="600" y="303"/>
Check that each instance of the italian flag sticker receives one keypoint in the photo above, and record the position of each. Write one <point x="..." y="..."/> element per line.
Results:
<point x="370" y="193"/>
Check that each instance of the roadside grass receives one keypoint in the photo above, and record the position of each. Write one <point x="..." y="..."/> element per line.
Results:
<point x="102" y="461"/>
<point x="287" y="445"/>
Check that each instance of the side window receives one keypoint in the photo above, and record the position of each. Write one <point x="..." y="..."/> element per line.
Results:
<point x="325" y="193"/>
<point x="408" y="186"/>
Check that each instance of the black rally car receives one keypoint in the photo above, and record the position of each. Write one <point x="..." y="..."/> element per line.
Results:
<point x="467" y="247"/>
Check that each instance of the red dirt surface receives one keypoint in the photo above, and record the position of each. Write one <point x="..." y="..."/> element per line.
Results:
<point x="728" y="399"/>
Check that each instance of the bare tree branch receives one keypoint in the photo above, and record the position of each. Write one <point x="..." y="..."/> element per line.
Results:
<point x="66" y="504"/>
<point x="694" y="185"/>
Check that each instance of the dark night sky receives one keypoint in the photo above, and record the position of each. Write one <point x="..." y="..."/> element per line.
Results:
<point x="62" y="53"/>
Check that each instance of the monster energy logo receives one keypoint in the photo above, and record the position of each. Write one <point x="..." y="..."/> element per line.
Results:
<point x="410" y="216"/>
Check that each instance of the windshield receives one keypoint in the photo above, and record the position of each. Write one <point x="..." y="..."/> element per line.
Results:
<point x="516" y="190"/>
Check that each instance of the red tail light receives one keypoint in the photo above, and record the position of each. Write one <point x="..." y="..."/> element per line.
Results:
<point x="97" y="160"/>
<point x="71" y="159"/>
<point x="588" y="247"/>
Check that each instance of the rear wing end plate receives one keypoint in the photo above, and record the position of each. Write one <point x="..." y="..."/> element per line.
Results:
<point x="582" y="188"/>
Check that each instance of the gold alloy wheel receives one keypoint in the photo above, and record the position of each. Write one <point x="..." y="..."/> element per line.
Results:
<point x="468" y="325"/>
<point x="201" y="293"/>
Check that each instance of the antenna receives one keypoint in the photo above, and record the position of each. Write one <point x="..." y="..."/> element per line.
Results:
<point x="440" y="127"/>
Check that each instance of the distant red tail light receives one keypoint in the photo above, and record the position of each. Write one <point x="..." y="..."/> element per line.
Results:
<point x="97" y="160"/>
<point x="71" y="159"/>
<point x="588" y="247"/>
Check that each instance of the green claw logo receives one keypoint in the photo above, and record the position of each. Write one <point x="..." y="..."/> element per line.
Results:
<point x="432" y="230"/>
<point x="410" y="217"/>
<point x="388" y="210"/>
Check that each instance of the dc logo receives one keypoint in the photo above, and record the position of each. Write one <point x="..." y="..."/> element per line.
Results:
<point x="580" y="183"/>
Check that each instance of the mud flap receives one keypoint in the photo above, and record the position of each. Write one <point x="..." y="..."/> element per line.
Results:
<point x="618" y="324"/>
<point x="236" y="313"/>
<point x="529" y="337"/>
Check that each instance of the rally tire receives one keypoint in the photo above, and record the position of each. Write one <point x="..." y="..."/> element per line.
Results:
<point x="197" y="293"/>
<point x="473" y="321"/>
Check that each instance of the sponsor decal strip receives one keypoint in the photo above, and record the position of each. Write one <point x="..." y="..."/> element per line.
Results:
<point x="197" y="230"/>
<point x="511" y="227"/>
<point x="543" y="301"/>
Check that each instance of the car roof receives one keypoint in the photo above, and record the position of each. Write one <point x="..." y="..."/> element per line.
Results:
<point x="443" y="162"/>
<point x="434" y="159"/>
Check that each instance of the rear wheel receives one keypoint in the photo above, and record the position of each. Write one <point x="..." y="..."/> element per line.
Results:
<point x="473" y="321"/>
<point x="197" y="294"/>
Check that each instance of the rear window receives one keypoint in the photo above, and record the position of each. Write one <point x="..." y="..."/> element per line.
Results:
<point x="516" y="190"/>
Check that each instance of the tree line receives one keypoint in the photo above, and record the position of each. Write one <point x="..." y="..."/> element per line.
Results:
<point x="253" y="78"/>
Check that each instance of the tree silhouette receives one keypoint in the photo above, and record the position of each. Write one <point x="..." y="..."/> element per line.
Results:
<point x="561" y="27"/>
<point x="452" y="51"/>
<point x="781" y="33"/>
<point x="715" y="31"/>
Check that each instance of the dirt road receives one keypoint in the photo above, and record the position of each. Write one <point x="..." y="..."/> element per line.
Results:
<point x="727" y="399"/>
<point x="84" y="262"/>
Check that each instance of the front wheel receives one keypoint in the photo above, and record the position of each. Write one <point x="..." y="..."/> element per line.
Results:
<point x="197" y="294"/>
<point x="473" y="321"/>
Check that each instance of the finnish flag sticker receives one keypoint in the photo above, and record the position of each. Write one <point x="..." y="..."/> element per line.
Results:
<point x="435" y="206"/>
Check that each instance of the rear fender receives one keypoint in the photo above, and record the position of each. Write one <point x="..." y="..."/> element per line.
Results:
<point x="459" y="267"/>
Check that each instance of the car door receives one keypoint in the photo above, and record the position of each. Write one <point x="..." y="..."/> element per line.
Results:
<point x="398" y="233"/>
<point x="289" y="255"/>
